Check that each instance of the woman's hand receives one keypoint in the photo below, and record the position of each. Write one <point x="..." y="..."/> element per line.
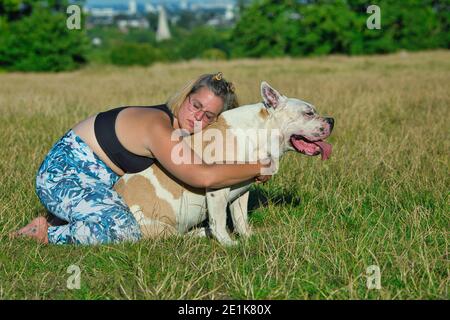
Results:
<point x="262" y="179"/>
<point x="267" y="170"/>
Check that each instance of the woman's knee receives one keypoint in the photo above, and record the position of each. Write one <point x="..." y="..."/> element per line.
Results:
<point x="116" y="224"/>
<point x="126" y="227"/>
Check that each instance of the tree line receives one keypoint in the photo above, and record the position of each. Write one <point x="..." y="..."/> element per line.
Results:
<point x="34" y="35"/>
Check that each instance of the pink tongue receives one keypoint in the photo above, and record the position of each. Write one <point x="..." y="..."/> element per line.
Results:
<point x="325" y="149"/>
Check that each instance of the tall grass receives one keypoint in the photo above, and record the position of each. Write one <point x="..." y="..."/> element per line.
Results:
<point x="382" y="199"/>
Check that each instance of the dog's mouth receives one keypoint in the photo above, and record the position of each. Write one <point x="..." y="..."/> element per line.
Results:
<point x="311" y="148"/>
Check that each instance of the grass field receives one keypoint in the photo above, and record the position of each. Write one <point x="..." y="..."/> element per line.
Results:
<point x="382" y="199"/>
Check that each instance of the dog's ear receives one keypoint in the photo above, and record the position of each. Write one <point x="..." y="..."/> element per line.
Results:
<point x="271" y="97"/>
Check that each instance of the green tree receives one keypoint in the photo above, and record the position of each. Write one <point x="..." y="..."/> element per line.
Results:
<point x="15" y="9"/>
<point x="410" y="25"/>
<point x="442" y="8"/>
<point x="34" y="37"/>
<point x="201" y="39"/>
<point x="418" y="24"/>
<point x="127" y="54"/>
<point x="325" y="28"/>
<point x="264" y="28"/>
<point x="287" y="27"/>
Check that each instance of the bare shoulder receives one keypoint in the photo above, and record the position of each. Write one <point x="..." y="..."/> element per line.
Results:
<point x="154" y="124"/>
<point x="136" y="128"/>
<point x="155" y="118"/>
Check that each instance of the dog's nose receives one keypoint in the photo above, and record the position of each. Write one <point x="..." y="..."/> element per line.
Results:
<point x="330" y="121"/>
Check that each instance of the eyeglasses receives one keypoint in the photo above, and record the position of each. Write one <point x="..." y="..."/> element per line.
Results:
<point x="196" y="107"/>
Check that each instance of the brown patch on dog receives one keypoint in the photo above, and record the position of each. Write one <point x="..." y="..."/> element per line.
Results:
<point x="263" y="113"/>
<point x="176" y="185"/>
<point x="167" y="181"/>
<point x="120" y="187"/>
<point x="138" y="191"/>
<point x="220" y="124"/>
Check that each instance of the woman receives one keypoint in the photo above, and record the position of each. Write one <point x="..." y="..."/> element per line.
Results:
<point x="75" y="181"/>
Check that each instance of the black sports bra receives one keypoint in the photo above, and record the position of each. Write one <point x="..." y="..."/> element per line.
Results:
<point x="105" y="132"/>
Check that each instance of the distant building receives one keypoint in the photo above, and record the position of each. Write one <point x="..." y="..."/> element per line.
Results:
<point x="132" y="7"/>
<point x="101" y="16"/>
<point x="131" y="13"/>
<point x="209" y="5"/>
<point x="149" y="8"/>
<point x="137" y="23"/>
<point x="184" y="5"/>
<point x="163" y="32"/>
<point x="103" y="12"/>
<point x="229" y="13"/>
<point x="214" y="22"/>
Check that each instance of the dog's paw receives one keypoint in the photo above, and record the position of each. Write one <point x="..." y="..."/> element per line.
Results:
<point x="198" y="233"/>
<point x="247" y="234"/>
<point x="227" y="241"/>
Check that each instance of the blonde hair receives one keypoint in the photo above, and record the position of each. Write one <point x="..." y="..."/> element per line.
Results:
<point x="214" y="82"/>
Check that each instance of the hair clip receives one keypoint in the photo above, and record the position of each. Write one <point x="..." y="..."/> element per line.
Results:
<point x="230" y="87"/>
<point x="218" y="76"/>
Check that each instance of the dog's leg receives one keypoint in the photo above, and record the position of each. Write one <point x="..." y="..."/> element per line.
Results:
<point x="239" y="215"/>
<point x="217" y="201"/>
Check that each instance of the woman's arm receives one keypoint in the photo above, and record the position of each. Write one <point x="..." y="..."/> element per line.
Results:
<point x="198" y="174"/>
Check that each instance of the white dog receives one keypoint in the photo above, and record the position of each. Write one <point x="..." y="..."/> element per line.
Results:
<point x="165" y="206"/>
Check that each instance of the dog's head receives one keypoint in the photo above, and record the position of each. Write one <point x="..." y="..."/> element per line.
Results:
<point x="302" y="128"/>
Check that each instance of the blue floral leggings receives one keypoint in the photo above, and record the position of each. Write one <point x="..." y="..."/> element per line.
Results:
<point x="76" y="186"/>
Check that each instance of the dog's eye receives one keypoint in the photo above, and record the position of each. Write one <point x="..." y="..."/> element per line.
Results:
<point x="309" y="114"/>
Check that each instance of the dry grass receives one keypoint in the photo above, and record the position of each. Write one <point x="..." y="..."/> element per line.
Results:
<point x="381" y="200"/>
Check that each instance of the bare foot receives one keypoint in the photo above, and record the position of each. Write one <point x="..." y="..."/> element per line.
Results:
<point x="36" y="229"/>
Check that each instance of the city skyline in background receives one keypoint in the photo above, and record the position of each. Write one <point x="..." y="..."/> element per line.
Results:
<point x="170" y="4"/>
<point x="118" y="2"/>
<point x="141" y="14"/>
